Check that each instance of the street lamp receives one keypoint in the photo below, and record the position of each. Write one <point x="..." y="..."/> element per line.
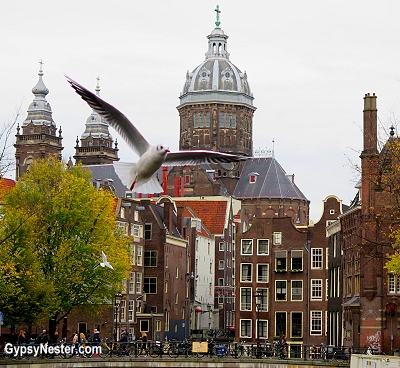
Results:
<point x="258" y="301"/>
<point x="115" y="314"/>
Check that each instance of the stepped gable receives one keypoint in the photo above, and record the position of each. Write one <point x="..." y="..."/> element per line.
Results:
<point x="212" y="213"/>
<point x="264" y="177"/>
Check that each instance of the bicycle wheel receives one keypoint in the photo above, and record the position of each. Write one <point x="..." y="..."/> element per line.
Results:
<point x="105" y="351"/>
<point x="256" y="352"/>
<point x="154" y="351"/>
<point x="173" y="351"/>
<point x="235" y="352"/>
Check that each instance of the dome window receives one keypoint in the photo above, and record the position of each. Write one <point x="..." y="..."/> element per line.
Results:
<point x="227" y="74"/>
<point x="201" y="120"/>
<point x="227" y="120"/>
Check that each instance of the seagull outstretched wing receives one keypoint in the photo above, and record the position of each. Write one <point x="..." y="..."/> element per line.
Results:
<point x="196" y="157"/>
<point x="114" y="118"/>
<point x="105" y="263"/>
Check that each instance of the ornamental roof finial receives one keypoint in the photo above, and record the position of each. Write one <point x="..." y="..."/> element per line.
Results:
<point x="217" y="22"/>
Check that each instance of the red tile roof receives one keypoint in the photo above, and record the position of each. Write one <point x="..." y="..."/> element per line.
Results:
<point x="5" y="186"/>
<point x="211" y="213"/>
<point x="188" y="212"/>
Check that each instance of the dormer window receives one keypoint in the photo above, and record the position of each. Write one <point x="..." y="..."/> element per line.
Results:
<point x="253" y="177"/>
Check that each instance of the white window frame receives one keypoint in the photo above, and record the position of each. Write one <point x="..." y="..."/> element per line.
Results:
<point x="258" y="276"/>
<point x="258" y="247"/>
<point x="276" y="290"/>
<point x="249" y="324"/>
<point x="249" y="247"/>
<point x="245" y="278"/>
<point x="317" y="255"/>
<point x="139" y="255"/>
<point x="292" y="288"/>
<point x="315" y="316"/>
<point x="277" y="238"/>
<point x="246" y="306"/>
<point x="316" y="289"/>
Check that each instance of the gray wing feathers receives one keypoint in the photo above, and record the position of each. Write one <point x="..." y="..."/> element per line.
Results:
<point x="115" y="118"/>
<point x="197" y="157"/>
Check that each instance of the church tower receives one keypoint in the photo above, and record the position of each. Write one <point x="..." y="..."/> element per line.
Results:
<point x="216" y="113"/>
<point x="96" y="142"/>
<point x="39" y="137"/>
<point x="216" y="105"/>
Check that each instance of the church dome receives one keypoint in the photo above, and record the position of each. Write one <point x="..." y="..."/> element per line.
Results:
<point x="217" y="78"/>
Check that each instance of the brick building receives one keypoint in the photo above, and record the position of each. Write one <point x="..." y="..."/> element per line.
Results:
<point x="287" y="265"/>
<point x="370" y="292"/>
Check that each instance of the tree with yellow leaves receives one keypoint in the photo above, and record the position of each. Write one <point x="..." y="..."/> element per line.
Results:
<point x="55" y="225"/>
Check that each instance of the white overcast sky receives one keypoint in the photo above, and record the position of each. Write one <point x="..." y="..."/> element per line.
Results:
<point x="309" y="64"/>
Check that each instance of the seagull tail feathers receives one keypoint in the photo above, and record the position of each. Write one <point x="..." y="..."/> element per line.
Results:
<point x="127" y="172"/>
<point x="150" y="186"/>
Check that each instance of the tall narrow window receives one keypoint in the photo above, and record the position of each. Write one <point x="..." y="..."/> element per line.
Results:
<point x="262" y="272"/>
<point x="247" y="246"/>
<point x="297" y="290"/>
<point x="245" y="298"/>
<point x="262" y="247"/>
<point x="316" y="258"/>
<point x="316" y="322"/>
<point x="280" y="323"/>
<point x="277" y="238"/>
<point x="246" y="272"/>
<point x="280" y="290"/>
<point x="147" y="231"/>
<point x="297" y="324"/>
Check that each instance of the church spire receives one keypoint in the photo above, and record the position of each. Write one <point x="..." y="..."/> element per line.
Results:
<point x="39" y="111"/>
<point x="96" y="136"/>
<point x="37" y="137"/>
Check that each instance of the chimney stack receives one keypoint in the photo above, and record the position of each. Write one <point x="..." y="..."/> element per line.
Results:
<point x="370" y="125"/>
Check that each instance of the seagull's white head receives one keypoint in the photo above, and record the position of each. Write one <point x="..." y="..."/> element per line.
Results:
<point x="162" y="150"/>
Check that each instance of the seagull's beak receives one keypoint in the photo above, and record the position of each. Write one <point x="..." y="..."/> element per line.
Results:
<point x="167" y="150"/>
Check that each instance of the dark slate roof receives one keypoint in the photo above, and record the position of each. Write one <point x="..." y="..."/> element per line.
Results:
<point x="271" y="181"/>
<point x="158" y="211"/>
<point x="102" y="172"/>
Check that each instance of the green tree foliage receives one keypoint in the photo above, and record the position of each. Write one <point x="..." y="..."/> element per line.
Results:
<point x="55" y="224"/>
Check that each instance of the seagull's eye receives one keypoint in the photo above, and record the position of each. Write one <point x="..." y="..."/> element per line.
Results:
<point x="161" y="147"/>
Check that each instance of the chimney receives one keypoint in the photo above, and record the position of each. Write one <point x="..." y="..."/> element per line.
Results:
<point x="164" y="179"/>
<point x="168" y="213"/>
<point x="180" y="210"/>
<point x="370" y="125"/>
<point x="369" y="155"/>
<point x="179" y="187"/>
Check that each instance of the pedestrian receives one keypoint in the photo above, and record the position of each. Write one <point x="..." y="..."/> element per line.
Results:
<point x="96" y="337"/>
<point x="144" y="343"/>
<point x="75" y="342"/>
<point x="21" y="337"/>
<point x="82" y="338"/>
<point x="123" y="341"/>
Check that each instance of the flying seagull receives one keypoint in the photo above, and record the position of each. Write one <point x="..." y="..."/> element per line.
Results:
<point x="140" y="176"/>
<point x="105" y="263"/>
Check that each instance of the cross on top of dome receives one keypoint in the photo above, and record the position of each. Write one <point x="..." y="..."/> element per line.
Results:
<point x="217" y="22"/>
